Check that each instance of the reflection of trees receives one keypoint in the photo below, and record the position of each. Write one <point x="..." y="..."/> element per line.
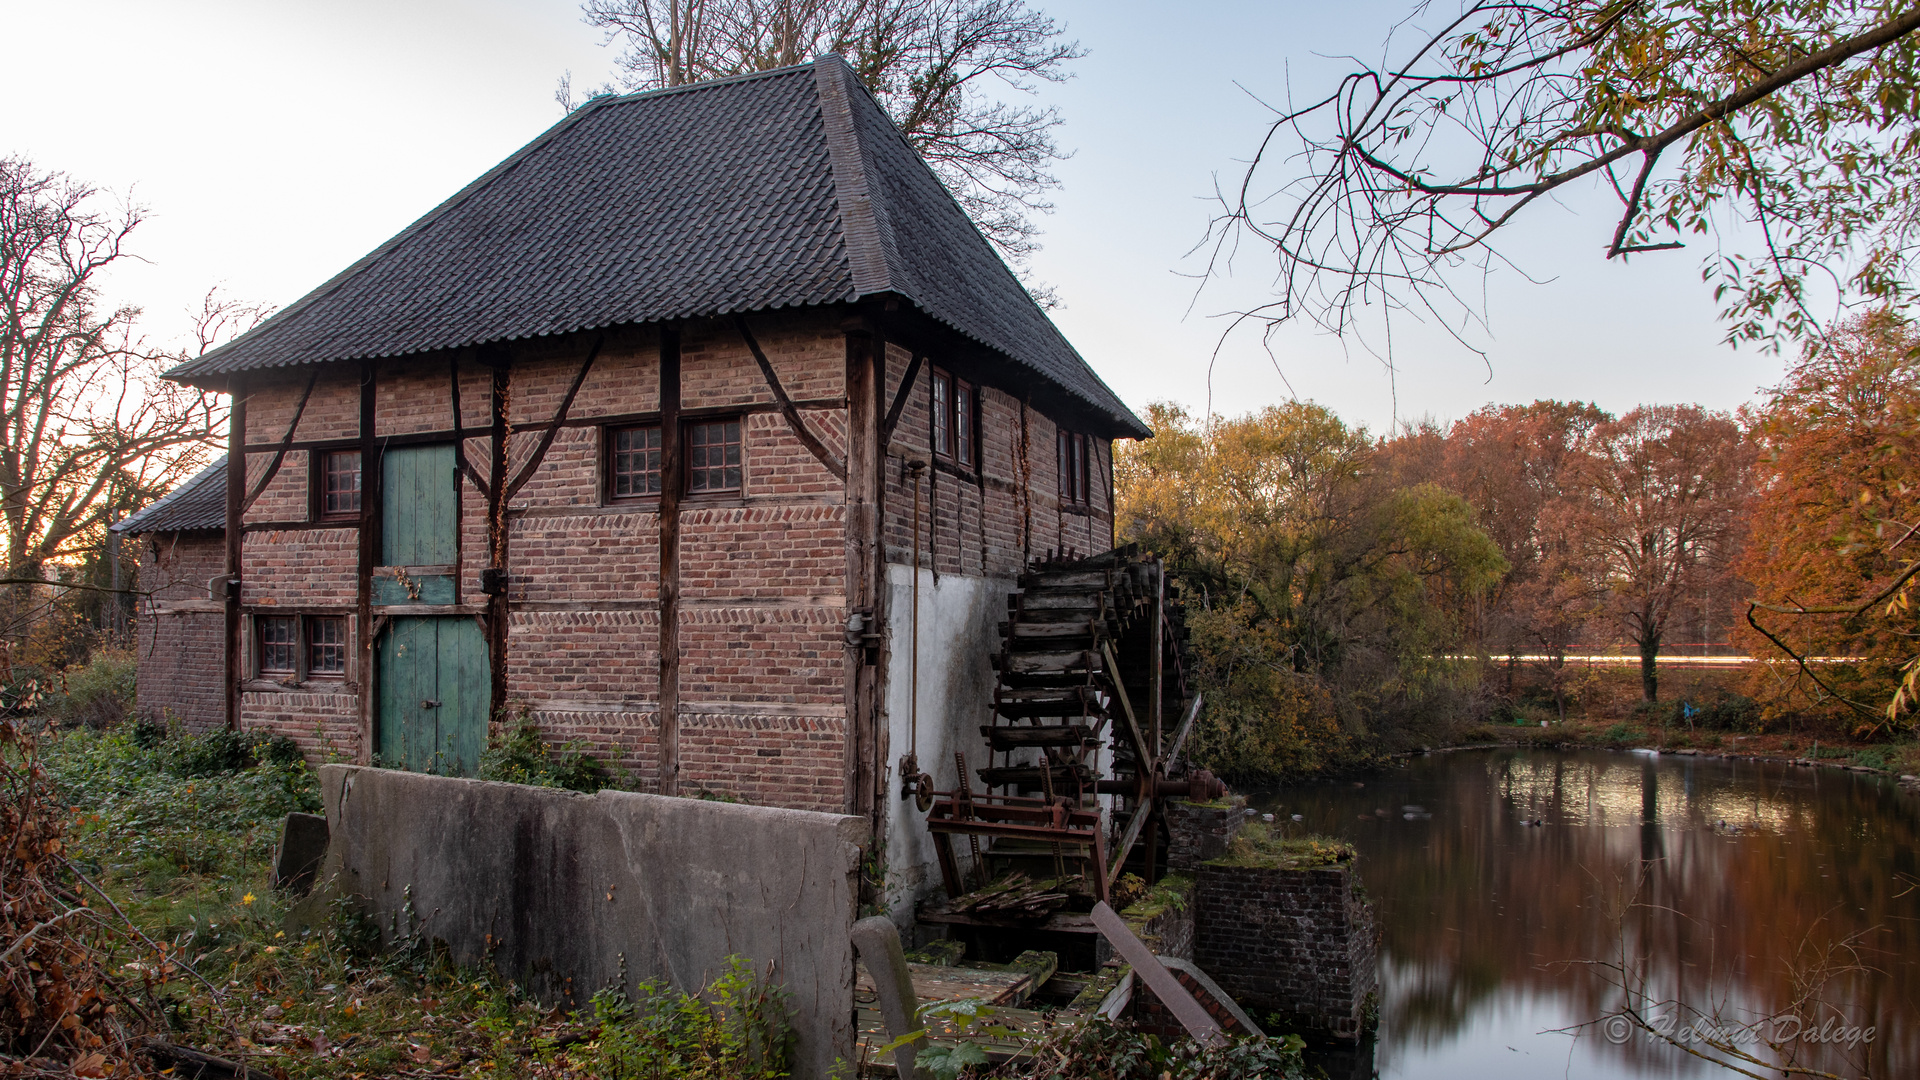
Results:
<point x="1474" y="904"/>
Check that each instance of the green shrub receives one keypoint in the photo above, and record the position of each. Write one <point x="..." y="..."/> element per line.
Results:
<point x="1618" y="735"/>
<point x="738" y="1028"/>
<point x="97" y="694"/>
<point x="516" y="754"/>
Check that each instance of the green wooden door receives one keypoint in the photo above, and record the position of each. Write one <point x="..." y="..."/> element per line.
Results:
<point x="419" y="506"/>
<point x="434" y="683"/>
<point x="434" y="690"/>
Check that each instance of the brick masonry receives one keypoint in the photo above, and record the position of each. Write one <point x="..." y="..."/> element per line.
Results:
<point x="1201" y="831"/>
<point x="763" y="680"/>
<point x="1295" y="945"/>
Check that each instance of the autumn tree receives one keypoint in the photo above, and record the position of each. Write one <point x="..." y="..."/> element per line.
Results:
<point x="1327" y="594"/>
<point x="937" y="66"/>
<point x="1651" y="515"/>
<point x="1799" y="120"/>
<point x="1834" y="519"/>
<point x="87" y="429"/>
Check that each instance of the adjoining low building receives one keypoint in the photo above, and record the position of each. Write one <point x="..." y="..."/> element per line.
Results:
<point x="628" y="436"/>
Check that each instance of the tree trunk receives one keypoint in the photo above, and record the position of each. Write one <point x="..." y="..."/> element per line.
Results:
<point x="1649" y="681"/>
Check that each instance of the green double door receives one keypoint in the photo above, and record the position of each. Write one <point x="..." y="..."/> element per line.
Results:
<point x="434" y="681"/>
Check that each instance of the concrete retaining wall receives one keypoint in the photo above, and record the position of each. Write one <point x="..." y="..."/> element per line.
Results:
<point x="558" y="888"/>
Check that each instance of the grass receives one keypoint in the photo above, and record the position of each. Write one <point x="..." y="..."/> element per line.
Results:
<point x="1263" y="845"/>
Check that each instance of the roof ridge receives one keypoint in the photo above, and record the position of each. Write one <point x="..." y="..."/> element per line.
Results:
<point x="864" y="227"/>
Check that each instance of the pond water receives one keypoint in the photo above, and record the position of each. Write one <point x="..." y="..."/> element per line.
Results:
<point x="1714" y="886"/>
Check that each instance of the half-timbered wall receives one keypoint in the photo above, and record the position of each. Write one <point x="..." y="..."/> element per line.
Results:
<point x="763" y="682"/>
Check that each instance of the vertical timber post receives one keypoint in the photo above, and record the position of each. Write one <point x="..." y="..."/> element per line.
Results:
<point x="236" y="497"/>
<point x="499" y="437"/>
<point x="673" y="478"/>
<point x="866" y="386"/>
<point x="368" y="551"/>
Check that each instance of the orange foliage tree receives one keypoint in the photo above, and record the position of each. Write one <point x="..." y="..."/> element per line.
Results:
<point x="1652" y="517"/>
<point x="1833" y="558"/>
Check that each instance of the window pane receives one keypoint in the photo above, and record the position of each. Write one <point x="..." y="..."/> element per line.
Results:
<point x="942" y="415"/>
<point x="327" y="645"/>
<point x="1066" y="468"/>
<point x="963" y="423"/>
<point x="340" y="482"/>
<point x="1079" y="468"/>
<point x="277" y="644"/>
<point x="636" y="462"/>
<point x="713" y="456"/>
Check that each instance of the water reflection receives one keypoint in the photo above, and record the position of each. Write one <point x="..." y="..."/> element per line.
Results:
<point x="1722" y="885"/>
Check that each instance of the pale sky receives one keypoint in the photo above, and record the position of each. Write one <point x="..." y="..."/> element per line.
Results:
<point x="275" y="143"/>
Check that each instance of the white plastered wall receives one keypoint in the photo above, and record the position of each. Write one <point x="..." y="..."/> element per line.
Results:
<point x="959" y="634"/>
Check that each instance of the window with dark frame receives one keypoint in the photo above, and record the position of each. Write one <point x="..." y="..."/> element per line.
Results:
<point x="326" y="645"/>
<point x="964" y="449"/>
<point x="1073" y="469"/>
<point x="713" y="456"/>
<point x="304" y="646"/>
<point x="635" y="464"/>
<point x="955" y="426"/>
<point x="942" y="414"/>
<point x="339" y="483"/>
<point x="279" y="644"/>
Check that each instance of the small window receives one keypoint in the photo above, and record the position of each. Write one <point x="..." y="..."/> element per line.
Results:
<point x="301" y="646"/>
<point x="713" y="456"/>
<point x="963" y="425"/>
<point x="942" y="414"/>
<point x="326" y="645"/>
<point x="636" y="462"/>
<point x="340" y="483"/>
<point x="279" y="645"/>
<point x="955" y="425"/>
<point x="1073" y="469"/>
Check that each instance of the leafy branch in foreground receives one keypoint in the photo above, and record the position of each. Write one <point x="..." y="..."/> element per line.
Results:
<point x="1799" y="117"/>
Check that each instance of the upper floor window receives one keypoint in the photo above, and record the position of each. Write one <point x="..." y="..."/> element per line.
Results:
<point x="1074" y="489"/>
<point x="635" y="467"/>
<point x="713" y="456"/>
<point x="337" y="493"/>
<point x="955" y="420"/>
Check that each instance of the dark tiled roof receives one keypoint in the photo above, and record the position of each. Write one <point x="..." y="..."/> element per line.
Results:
<point x="788" y="188"/>
<point x="200" y="503"/>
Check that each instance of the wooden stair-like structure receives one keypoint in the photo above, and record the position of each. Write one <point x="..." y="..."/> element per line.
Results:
<point x="1092" y="699"/>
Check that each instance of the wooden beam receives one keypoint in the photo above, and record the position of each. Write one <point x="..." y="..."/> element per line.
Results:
<point x="499" y="434"/>
<point x="280" y="452"/>
<point x="673" y="477"/>
<point x="460" y="432"/>
<point x="799" y="427"/>
<point x="866" y="386"/>
<point x="559" y="418"/>
<point x="235" y="539"/>
<point x="900" y="398"/>
<point x="367" y="553"/>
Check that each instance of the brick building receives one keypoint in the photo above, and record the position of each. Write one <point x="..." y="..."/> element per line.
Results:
<point x="625" y="434"/>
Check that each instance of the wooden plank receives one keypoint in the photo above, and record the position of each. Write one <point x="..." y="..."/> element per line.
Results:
<point x="1001" y="737"/>
<point x="866" y="386"/>
<point x="461" y="718"/>
<point x="1161" y="981"/>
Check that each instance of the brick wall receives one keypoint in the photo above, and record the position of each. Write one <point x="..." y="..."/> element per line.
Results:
<point x="180" y="632"/>
<point x="1297" y="945"/>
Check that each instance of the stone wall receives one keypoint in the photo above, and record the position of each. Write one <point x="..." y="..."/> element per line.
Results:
<point x="1198" y="832"/>
<point x="566" y="892"/>
<point x="1296" y="945"/>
